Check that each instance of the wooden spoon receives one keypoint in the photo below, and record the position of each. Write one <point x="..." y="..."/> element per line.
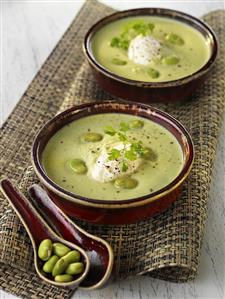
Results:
<point x="98" y="250"/>
<point x="39" y="230"/>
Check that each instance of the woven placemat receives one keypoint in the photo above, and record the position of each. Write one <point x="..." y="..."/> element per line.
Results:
<point x="166" y="246"/>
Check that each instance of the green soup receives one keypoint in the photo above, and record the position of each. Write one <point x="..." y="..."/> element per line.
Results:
<point x="71" y="157"/>
<point x="181" y="50"/>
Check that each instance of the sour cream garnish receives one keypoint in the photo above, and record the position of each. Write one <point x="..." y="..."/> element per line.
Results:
<point x="143" y="49"/>
<point x="105" y="170"/>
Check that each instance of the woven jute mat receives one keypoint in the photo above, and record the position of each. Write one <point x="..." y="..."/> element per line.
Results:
<point x="166" y="246"/>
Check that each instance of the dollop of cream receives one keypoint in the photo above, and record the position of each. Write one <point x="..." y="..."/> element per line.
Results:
<point x="105" y="170"/>
<point x="143" y="49"/>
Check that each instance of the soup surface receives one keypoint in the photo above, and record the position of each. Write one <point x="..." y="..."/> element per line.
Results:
<point x="151" y="49"/>
<point x="112" y="156"/>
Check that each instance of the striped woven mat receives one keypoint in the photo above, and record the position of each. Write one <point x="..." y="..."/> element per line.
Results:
<point x="166" y="246"/>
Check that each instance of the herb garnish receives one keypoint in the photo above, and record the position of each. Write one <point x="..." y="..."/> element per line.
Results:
<point x="114" y="154"/>
<point x="131" y="31"/>
<point x="110" y="131"/>
<point x="132" y="150"/>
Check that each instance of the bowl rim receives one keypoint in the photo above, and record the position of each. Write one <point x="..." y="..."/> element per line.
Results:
<point x="164" y="12"/>
<point x="123" y="203"/>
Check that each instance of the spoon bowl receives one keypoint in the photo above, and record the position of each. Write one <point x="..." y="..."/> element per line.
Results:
<point x="39" y="230"/>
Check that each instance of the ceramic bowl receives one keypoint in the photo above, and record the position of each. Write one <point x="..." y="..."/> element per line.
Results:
<point x="113" y="211"/>
<point x="151" y="91"/>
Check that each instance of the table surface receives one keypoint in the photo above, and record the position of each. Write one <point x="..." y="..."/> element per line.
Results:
<point x="29" y="31"/>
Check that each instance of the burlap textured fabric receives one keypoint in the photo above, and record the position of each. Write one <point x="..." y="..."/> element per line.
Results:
<point x="166" y="246"/>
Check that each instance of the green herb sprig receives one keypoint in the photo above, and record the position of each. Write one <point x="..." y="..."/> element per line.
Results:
<point x="135" y="150"/>
<point x="131" y="31"/>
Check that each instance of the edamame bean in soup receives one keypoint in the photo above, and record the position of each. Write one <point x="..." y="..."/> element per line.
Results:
<point x="112" y="156"/>
<point x="150" y="48"/>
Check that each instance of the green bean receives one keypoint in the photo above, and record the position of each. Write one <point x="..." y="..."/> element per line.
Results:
<point x="75" y="268"/>
<point x="45" y="249"/>
<point x="125" y="183"/>
<point x="170" y="60"/>
<point x="174" y="39"/>
<point x="78" y="166"/>
<point x="60" y="249"/>
<point x="153" y="73"/>
<point x="72" y="257"/>
<point x="91" y="137"/>
<point x="149" y="154"/>
<point x="60" y="267"/>
<point x="63" y="278"/>
<point x="50" y="264"/>
<point x="118" y="61"/>
<point x="136" y="124"/>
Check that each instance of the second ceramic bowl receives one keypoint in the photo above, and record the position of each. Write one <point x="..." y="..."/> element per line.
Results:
<point x="151" y="91"/>
<point x="113" y="211"/>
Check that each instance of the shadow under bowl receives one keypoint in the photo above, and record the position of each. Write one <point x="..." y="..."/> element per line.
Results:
<point x="149" y="92"/>
<point x="113" y="211"/>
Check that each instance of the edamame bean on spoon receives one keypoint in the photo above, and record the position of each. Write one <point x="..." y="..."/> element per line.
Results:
<point x="60" y="262"/>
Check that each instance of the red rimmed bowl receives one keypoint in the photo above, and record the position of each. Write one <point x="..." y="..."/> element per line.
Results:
<point x="113" y="211"/>
<point x="148" y="92"/>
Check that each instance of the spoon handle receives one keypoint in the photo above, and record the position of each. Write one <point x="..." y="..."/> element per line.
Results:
<point x="32" y="221"/>
<point x="62" y="224"/>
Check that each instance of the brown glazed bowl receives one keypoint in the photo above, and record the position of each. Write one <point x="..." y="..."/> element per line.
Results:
<point x="151" y="91"/>
<point x="113" y="211"/>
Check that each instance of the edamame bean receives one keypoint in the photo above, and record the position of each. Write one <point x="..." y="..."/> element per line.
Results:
<point x="149" y="154"/>
<point x="153" y="73"/>
<point x="118" y="61"/>
<point x="78" y="166"/>
<point x="136" y="124"/>
<point x="45" y="249"/>
<point x="63" y="278"/>
<point x="50" y="264"/>
<point x="72" y="257"/>
<point x="170" y="60"/>
<point x="59" y="267"/>
<point x="91" y="137"/>
<point x="60" y="249"/>
<point x="63" y="262"/>
<point x="174" y="39"/>
<point x="125" y="183"/>
<point x="75" y="268"/>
